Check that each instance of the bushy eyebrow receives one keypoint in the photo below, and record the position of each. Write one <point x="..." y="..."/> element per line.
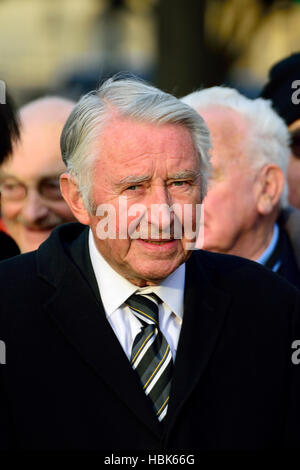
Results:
<point x="185" y="174"/>
<point x="136" y="179"/>
<point x="133" y="179"/>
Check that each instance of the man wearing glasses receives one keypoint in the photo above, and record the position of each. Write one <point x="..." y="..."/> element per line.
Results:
<point x="31" y="202"/>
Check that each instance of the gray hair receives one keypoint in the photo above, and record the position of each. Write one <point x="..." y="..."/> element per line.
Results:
<point x="133" y="99"/>
<point x="268" y="138"/>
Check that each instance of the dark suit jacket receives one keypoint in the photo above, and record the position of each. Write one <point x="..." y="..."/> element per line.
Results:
<point x="67" y="384"/>
<point x="289" y="221"/>
<point x="8" y="247"/>
<point x="288" y="268"/>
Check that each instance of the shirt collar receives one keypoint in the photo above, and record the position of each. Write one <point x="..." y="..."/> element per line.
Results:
<point x="115" y="289"/>
<point x="269" y="250"/>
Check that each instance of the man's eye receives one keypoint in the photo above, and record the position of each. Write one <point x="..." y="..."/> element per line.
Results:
<point x="10" y="186"/>
<point x="50" y="189"/>
<point x="12" y="190"/>
<point x="179" y="183"/>
<point x="133" y="187"/>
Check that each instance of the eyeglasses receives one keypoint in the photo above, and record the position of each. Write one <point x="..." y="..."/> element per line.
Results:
<point x="295" y="143"/>
<point x="14" y="190"/>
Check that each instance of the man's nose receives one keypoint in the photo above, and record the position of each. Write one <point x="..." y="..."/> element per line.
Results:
<point x="159" y="195"/>
<point x="159" y="213"/>
<point x="34" y="208"/>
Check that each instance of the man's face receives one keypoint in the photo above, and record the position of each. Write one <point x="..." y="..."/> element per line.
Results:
<point x="145" y="164"/>
<point x="31" y="203"/>
<point x="229" y="207"/>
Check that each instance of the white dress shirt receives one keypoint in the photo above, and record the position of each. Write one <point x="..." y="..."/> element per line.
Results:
<point x="115" y="289"/>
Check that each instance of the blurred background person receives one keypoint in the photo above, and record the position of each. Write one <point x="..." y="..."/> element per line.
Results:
<point x="229" y="42"/>
<point x="9" y="132"/>
<point x="31" y="202"/>
<point x="283" y="88"/>
<point x="248" y="184"/>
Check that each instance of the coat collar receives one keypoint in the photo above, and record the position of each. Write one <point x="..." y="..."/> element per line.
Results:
<point x="76" y="308"/>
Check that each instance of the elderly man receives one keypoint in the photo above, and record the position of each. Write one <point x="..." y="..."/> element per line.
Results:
<point x="118" y="335"/>
<point x="247" y="185"/>
<point x="31" y="201"/>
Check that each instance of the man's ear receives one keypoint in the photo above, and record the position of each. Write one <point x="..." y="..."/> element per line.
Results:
<point x="270" y="186"/>
<point x="72" y="196"/>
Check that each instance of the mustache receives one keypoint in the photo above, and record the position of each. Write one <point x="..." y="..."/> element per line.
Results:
<point x="153" y="232"/>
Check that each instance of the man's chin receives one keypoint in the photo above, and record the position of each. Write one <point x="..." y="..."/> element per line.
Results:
<point x="152" y="275"/>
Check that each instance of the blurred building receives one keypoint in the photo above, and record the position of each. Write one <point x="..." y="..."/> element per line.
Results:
<point x="68" y="46"/>
<point x="254" y="34"/>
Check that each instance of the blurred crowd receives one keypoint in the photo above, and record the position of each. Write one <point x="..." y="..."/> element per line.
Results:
<point x="253" y="201"/>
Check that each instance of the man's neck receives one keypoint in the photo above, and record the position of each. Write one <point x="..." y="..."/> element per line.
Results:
<point x="253" y="246"/>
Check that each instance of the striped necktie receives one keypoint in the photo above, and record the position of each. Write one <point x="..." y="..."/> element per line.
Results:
<point x="151" y="357"/>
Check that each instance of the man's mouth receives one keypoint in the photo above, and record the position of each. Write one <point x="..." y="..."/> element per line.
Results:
<point x="157" y="242"/>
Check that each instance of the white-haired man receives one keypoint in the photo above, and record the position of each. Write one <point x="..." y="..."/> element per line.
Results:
<point x="248" y="182"/>
<point x="121" y="337"/>
<point x="31" y="201"/>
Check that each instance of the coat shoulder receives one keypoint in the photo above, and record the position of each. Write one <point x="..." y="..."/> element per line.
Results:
<point x="236" y="273"/>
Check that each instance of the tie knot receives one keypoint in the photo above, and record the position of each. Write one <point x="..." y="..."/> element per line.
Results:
<point x="145" y="307"/>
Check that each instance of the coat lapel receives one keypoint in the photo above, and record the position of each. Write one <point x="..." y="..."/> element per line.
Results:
<point x="77" y="310"/>
<point x="205" y="309"/>
<point x="80" y="316"/>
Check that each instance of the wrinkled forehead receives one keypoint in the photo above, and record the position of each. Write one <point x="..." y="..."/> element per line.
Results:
<point x="125" y="143"/>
